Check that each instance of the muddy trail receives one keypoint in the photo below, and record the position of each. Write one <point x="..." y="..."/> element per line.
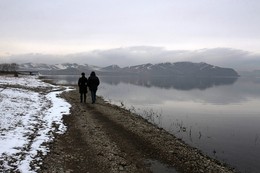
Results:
<point x="106" y="138"/>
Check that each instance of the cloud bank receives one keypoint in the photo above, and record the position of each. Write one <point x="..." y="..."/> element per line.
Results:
<point x="127" y="56"/>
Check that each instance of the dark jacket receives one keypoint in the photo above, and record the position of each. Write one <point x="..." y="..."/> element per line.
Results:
<point x="82" y="83"/>
<point x="93" y="82"/>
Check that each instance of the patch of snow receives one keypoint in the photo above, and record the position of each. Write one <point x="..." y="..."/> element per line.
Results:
<point x="204" y="67"/>
<point x="28" y="81"/>
<point x="28" y="120"/>
<point x="60" y="66"/>
<point x="95" y="68"/>
<point x="161" y="66"/>
<point x="150" y="66"/>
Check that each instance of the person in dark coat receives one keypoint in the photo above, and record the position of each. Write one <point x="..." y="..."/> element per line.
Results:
<point x="82" y="83"/>
<point x="93" y="82"/>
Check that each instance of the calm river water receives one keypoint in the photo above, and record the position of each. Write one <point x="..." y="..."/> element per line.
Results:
<point x="221" y="117"/>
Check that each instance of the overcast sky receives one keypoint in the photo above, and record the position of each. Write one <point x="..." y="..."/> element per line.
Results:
<point x="61" y="27"/>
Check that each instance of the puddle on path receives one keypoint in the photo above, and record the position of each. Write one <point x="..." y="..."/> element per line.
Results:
<point x="158" y="167"/>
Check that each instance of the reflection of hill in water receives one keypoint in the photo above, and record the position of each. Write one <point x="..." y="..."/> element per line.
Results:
<point x="180" y="83"/>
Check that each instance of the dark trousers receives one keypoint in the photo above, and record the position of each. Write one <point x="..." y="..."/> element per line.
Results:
<point x="82" y="96"/>
<point x="93" y="95"/>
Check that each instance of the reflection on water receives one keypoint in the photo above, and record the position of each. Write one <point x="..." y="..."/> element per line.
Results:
<point x="221" y="117"/>
<point x="167" y="82"/>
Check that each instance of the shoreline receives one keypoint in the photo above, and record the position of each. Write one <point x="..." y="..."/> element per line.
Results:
<point x="119" y="141"/>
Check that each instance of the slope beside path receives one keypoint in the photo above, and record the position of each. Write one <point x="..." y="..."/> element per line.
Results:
<point x="30" y="113"/>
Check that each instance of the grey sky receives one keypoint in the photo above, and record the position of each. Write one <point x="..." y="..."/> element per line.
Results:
<point x="73" y="26"/>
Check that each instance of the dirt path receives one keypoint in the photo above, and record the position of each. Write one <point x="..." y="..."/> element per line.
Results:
<point x="105" y="138"/>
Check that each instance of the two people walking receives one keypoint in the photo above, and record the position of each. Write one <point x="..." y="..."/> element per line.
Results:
<point x="92" y="83"/>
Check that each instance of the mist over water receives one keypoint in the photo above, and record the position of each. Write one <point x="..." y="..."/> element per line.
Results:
<point x="219" y="116"/>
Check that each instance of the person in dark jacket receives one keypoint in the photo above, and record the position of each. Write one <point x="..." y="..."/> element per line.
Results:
<point x="93" y="82"/>
<point x="82" y="83"/>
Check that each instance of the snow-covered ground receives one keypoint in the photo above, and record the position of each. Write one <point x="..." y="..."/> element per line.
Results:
<point x="28" y="119"/>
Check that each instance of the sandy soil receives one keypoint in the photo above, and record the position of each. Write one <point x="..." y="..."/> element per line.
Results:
<point x="106" y="138"/>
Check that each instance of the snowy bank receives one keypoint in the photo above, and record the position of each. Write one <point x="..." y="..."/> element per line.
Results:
<point x="28" y="120"/>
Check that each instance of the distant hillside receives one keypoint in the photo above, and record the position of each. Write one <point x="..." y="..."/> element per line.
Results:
<point x="176" y="69"/>
<point x="180" y="69"/>
<point x="58" y="69"/>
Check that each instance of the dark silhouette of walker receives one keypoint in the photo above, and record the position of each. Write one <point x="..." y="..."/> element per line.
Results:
<point x="82" y="83"/>
<point x="93" y="82"/>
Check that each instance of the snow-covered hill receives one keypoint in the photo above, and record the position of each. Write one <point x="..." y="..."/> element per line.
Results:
<point x="178" y="68"/>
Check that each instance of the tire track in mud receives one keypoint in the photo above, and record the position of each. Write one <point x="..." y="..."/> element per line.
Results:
<point x="129" y="151"/>
<point x="70" y="152"/>
<point x="115" y="155"/>
<point x="136" y="148"/>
